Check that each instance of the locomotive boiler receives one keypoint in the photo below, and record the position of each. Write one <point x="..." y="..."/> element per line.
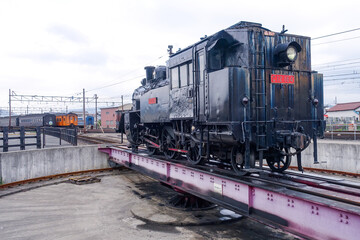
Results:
<point x="239" y="96"/>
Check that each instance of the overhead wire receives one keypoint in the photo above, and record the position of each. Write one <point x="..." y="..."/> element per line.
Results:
<point x="342" y="83"/>
<point x="349" y="68"/>
<point x="341" y="40"/>
<point x="336" y="65"/>
<point x="137" y="77"/>
<point x="341" y="79"/>
<point x="340" y="61"/>
<point x="134" y="70"/>
<point x="339" y="75"/>
<point x="333" y="34"/>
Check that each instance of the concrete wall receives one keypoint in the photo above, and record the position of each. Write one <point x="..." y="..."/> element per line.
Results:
<point x="333" y="155"/>
<point x="21" y="165"/>
<point x="27" y="164"/>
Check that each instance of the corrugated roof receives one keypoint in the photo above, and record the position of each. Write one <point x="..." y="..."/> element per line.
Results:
<point x="345" y="107"/>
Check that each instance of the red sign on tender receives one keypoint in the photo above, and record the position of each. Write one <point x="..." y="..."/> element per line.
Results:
<point x="284" y="79"/>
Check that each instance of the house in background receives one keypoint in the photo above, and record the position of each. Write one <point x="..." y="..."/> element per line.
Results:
<point x="344" y="112"/>
<point x="108" y="115"/>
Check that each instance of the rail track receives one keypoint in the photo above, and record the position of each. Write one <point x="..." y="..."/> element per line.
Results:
<point x="327" y="187"/>
<point x="328" y="171"/>
<point x="55" y="176"/>
<point x="302" y="203"/>
<point x="116" y="142"/>
<point x="101" y="140"/>
<point x="284" y="196"/>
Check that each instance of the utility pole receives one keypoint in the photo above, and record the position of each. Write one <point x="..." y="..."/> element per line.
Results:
<point x="9" y="108"/>
<point x="96" y="97"/>
<point x="84" y="118"/>
<point x="122" y="103"/>
<point x="122" y="111"/>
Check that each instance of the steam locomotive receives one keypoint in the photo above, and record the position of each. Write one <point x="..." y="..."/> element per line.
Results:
<point x="239" y="96"/>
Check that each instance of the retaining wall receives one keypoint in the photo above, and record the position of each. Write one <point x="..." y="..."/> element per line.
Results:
<point x="333" y="155"/>
<point x="27" y="164"/>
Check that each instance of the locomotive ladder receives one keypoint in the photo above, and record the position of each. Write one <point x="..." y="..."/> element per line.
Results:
<point x="260" y="90"/>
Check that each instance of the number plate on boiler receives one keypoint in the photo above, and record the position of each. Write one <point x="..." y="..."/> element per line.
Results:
<point x="152" y="100"/>
<point x="284" y="79"/>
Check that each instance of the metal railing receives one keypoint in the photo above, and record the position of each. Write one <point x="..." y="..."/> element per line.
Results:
<point x="22" y="138"/>
<point x="343" y="130"/>
<point x="66" y="134"/>
<point x="9" y="135"/>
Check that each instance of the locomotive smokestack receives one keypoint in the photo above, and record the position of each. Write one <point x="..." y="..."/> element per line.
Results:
<point x="149" y="73"/>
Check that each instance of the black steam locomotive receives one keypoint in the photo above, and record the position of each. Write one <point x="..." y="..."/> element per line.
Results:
<point x="239" y="96"/>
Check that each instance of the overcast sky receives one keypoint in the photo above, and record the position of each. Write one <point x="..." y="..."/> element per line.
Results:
<point x="60" y="47"/>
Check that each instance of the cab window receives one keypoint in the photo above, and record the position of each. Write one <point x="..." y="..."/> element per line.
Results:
<point x="216" y="61"/>
<point x="183" y="75"/>
<point x="174" y="77"/>
<point x="200" y="67"/>
<point x="190" y="71"/>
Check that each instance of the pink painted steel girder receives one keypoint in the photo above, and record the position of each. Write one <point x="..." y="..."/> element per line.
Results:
<point x="297" y="212"/>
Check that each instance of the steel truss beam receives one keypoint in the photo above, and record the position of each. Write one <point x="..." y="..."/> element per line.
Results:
<point x="304" y="214"/>
<point x="55" y="99"/>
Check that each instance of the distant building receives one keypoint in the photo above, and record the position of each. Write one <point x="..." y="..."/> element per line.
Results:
<point x="344" y="112"/>
<point x="108" y="115"/>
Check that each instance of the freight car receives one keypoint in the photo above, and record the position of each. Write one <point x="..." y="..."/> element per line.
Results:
<point x="239" y="96"/>
<point x="31" y="120"/>
<point x="66" y="119"/>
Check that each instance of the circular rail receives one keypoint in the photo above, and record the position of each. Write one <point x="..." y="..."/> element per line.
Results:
<point x="55" y="176"/>
<point x="328" y="171"/>
<point x="104" y="140"/>
<point x="339" y="191"/>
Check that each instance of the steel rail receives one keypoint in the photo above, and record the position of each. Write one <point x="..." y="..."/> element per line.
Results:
<point x="98" y="140"/>
<point x="49" y="177"/>
<point x="328" y="183"/>
<point x="337" y="192"/>
<point x="356" y="175"/>
<point x="273" y="178"/>
<point x="309" y="213"/>
<point x="312" y="191"/>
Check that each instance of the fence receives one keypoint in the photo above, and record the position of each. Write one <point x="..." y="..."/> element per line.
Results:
<point x="22" y="137"/>
<point x="343" y="130"/>
<point x="66" y="134"/>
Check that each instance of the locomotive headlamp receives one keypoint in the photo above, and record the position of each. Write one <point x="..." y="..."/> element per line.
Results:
<point x="286" y="53"/>
<point x="291" y="53"/>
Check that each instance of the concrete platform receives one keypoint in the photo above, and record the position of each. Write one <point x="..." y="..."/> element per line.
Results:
<point x="103" y="210"/>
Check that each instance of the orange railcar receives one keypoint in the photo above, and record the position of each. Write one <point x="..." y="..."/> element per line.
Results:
<point x="66" y="120"/>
